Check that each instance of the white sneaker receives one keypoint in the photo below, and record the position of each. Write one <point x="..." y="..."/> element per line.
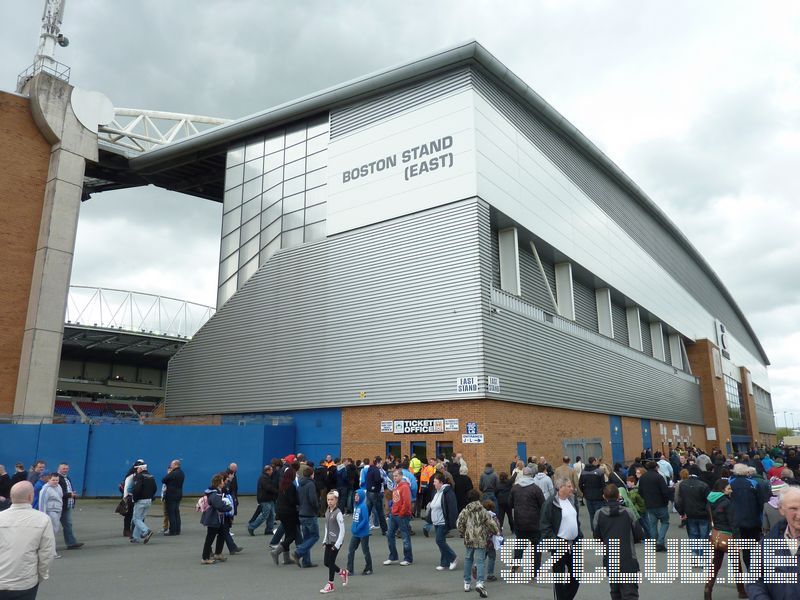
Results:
<point x="371" y="527"/>
<point x="454" y="564"/>
<point x="481" y="590"/>
<point x="440" y="568"/>
<point x="389" y="562"/>
<point x="467" y="587"/>
<point x="404" y="563"/>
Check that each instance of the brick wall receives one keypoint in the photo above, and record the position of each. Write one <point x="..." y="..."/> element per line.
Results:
<point x="712" y="391"/>
<point x="24" y="160"/>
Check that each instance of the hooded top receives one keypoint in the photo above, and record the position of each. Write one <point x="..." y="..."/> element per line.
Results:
<point x="477" y="525"/>
<point x="545" y="484"/>
<point x="360" y="527"/>
<point x="489" y="481"/>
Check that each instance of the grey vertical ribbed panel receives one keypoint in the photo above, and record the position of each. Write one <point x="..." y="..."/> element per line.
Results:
<point x="365" y="113"/>
<point x="647" y="340"/>
<point x="495" y="264"/>
<point x="550" y="271"/>
<point x="585" y="306"/>
<point x="620" y="323"/>
<point x="764" y="414"/>
<point x="534" y="288"/>
<point x="667" y="350"/>
<point x="538" y="363"/>
<point x="392" y="310"/>
<point x="625" y="210"/>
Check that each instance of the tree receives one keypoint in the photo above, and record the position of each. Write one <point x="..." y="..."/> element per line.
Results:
<point x="783" y="432"/>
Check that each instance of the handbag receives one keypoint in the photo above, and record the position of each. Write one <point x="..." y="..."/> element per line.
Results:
<point x="719" y="539"/>
<point x="122" y="508"/>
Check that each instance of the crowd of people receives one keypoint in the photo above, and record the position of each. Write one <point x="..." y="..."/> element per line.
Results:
<point x="752" y="495"/>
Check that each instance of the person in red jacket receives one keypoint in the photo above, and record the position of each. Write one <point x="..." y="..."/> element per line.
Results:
<point x="400" y="519"/>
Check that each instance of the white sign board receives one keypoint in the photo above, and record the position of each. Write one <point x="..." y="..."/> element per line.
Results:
<point x="419" y="426"/>
<point x="467" y="438"/>
<point x="493" y="385"/>
<point x="451" y="424"/>
<point x="466" y="385"/>
<point x="711" y="434"/>
<point x="387" y="427"/>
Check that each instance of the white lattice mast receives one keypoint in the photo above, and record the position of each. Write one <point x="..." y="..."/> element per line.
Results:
<point x="49" y="37"/>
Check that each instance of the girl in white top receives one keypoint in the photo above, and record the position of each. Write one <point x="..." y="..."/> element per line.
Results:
<point x="333" y="540"/>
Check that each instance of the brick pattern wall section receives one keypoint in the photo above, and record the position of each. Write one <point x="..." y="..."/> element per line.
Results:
<point x="712" y="391"/>
<point x="23" y="174"/>
<point x="503" y="424"/>
<point x="749" y="401"/>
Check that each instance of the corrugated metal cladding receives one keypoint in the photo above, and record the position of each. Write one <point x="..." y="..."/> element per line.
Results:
<point x="391" y="310"/>
<point x="764" y="414"/>
<point x="619" y="206"/>
<point x="667" y="350"/>
<point x="361" y="115"/>
<point x="534" y="288"/>
<point x="585" y="306"/>
<point x="647" y="340"/>
<point x="620" y="323"/>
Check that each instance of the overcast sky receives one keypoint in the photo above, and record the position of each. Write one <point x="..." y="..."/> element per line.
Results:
<point x="697" y="102"/>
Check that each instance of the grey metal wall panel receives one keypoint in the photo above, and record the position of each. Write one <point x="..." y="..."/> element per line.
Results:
<point x="392" y="310"/>
<point x="363" y="114"/>
<point x="619" y="206"/>
<point x="585" y="306"/>
<point x="620" y="323"/>
<point x="534" y="287"/>
<point x="647" y="340"/>
<point x="667" y="351"/>
<point x="764" y="414"/>
<point x="561" y="365"/>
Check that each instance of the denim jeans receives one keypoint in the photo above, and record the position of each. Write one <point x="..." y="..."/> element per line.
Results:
<point x="658" y="519"/>
<point x="479" y="557"/>
<point x="403" y="524"/>
<point x="375" y="501"/>
<point x="140" y="509"/>
<point x="697" y="529"/>
<point x="446" y="553"/>
<point x="267" y="514"/>
<point x="351" y="552"/>
<point x="593" y="506"/>
<point x="66" y="524"/>
<point x="310" y="529"/>
<point x="491" y="557"/>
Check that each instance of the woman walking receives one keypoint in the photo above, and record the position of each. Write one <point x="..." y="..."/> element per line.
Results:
<point x="503" y="507"/>
<point x="214" y="520"/>
<point x="721" y="531"/>
<point x="288" y="515"/>
<point x="443" y="515"/>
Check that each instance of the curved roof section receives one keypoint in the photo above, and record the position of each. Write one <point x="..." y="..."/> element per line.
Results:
<point x="470" y="53"/>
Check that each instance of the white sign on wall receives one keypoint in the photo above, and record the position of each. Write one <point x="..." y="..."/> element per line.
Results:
<point x="451" y="424"/>
<point x="466" y="385"/>
<point x="419" y="426"/>
<point x="493" y="385"/>
<point x="467" y="438"/>
<point x="711" y="433"/>
<point x="387" y="427"/>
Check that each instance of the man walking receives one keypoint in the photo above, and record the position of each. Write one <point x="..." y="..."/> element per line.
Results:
<point x="266" y="495"/>
<point x="591" y="484"/>
<point x="308" y="510"/>
<point x="692" y="501"/>
<point x="27" y="546"/>
<point x="526" y="500"/>
<point x="400" y="519"/>
<point x="374" y="483"/>
<point x="653" y="489"/>
<point x="173" y="494"/>
<point x="70" y="495"/>
<point x="144" y="490"/>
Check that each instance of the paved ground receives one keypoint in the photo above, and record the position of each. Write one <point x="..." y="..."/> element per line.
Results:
<point x="108" y="566"/>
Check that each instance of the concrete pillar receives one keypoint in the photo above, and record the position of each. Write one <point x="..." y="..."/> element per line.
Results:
<point x="749" y="405"/>
<point x="657" y="339"/>
<point x="509" y="261"/>
<point x="72" y="143"/>
<point x="564" y="291"/>
<point x="605" y="319"/>
<point x="634" y="328"/>
<point x="675" y="351"/>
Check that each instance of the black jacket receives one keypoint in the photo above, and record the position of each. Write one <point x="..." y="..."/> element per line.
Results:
<point x="721" y="516"/>
<point x="374" y="479"/>
<point x="592" y="483"/>
<point x="449" y="508"/>
<point x="266" y="491"/>
<point x="747" y="502"/>
<point x="615" y="522"/>
<point x="463" y="484"/>
<point x="286" y="506"/>
<point x="5" y="486"/>
<point x="692" y="498"/>
<point x="307" y="498"/>
<point x="504" y="491"/>
<point x="526" y="501"/>
<point x="174" y="482"/>
<point x="144" y="486"/>
<point x="550" y="521"/>
<point x="653" y="489"/>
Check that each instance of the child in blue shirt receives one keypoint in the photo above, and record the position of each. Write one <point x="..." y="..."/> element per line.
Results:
<point x="360" y="532"/>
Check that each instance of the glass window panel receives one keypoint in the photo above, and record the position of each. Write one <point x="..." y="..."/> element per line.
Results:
<point x="272" y="231"/>
<point x="317" y="161"/>
<point x="248" y="251"/>
<point x="316" y="213"/>
<point x="273" y="161"/>
<point x="254" y="149"/>
<point x="226" y="290"/>
<point x="294" y="169"/>
<point x="317" y="144"/>
<point x="273" y="178"/>
<point x="317" y="126"/>
<point x="292" y="220"/>
<point x="251" y="228"/>
<point x="269" y="250"/>
<point x="248" y="271"/>
<point x="228" y="267"/>
<point x="229" y="243"/>
<point x="316" y="195"/>
<point x="295" y="133"/>
<point x="231" y="221"/>
<point x="315" y="231"/>
<point x="316" y="178"/>
<point x="274" y="141"/>
<point x="294" y="186"/>
<point x="253" y="168"/>
<point x="235" y="155"/>
<point x="272" y="195"/>
<point x="232" y="199"/>
<point x="252" y="188"/>
<point x="251" y="209"/>
<point x="295" y="152"/>
<point x="270" y="213"/>
<point x="290" y="239"/>
<point x="293" y="203"/>
<point x="234" y="176"/>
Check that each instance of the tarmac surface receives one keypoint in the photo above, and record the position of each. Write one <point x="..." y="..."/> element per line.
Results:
<point x="108" y="567"/>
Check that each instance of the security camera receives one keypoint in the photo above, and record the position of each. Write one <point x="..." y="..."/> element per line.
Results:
<point x="62" y="40"/>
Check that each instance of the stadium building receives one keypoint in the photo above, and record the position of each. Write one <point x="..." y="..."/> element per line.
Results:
<point x="431" y="258"/>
